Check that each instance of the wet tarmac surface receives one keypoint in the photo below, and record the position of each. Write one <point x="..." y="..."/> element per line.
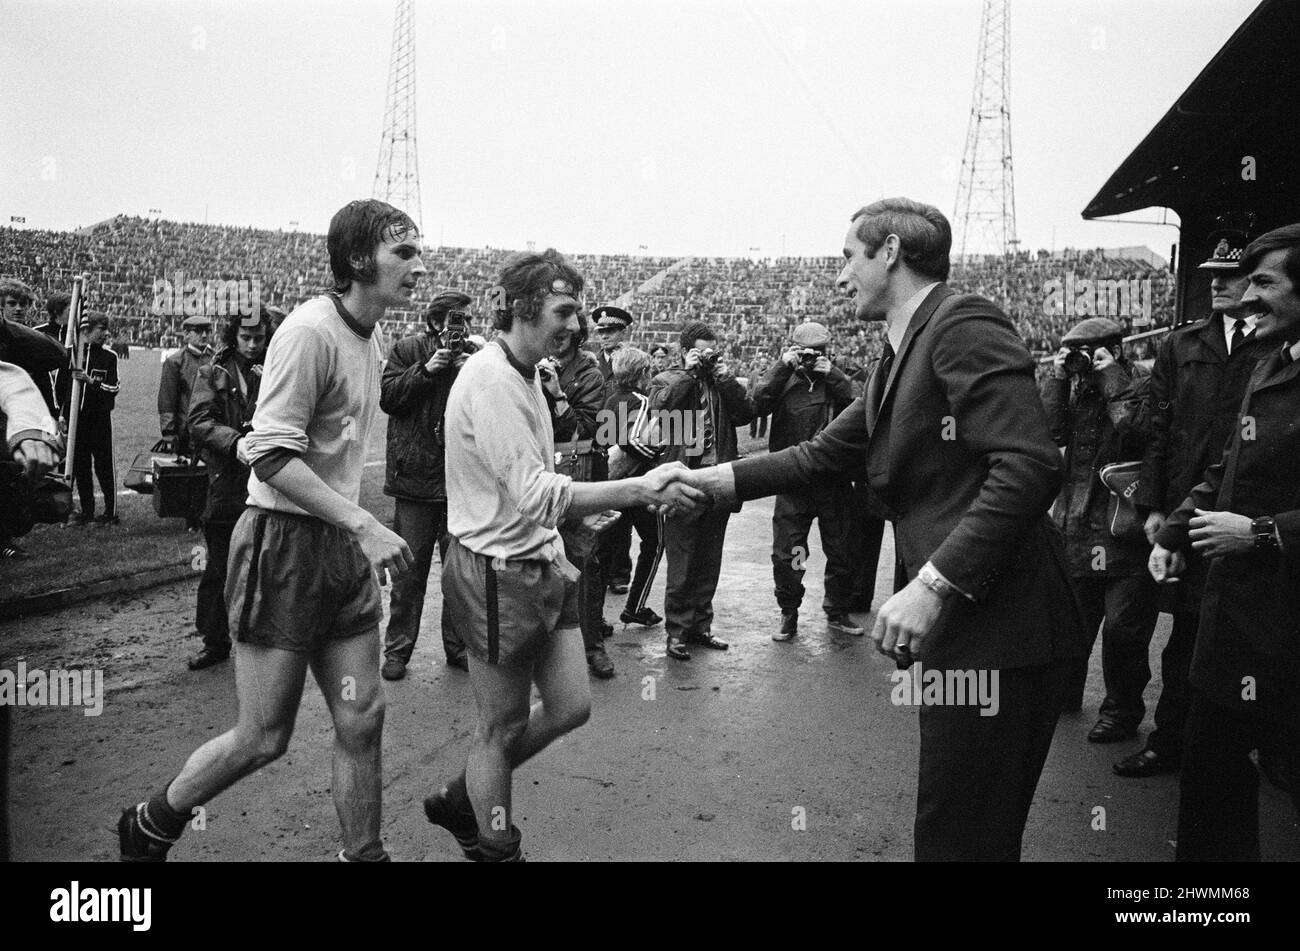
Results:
<point x="763" y="752"/>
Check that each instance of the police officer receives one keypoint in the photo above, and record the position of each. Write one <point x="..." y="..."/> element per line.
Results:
<point x="1197" y="383"/>
<point x="804" y="391"/>
<point x="610" y="324"/>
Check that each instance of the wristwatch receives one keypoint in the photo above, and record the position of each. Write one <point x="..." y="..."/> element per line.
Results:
<point x="1263" y="529"/>
<point x="931" y="578"/>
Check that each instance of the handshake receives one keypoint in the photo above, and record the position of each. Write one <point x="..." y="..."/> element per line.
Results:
<point x="674" y="489"/>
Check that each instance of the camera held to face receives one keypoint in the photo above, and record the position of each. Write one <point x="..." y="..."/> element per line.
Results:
<point x="808" y="358"/>
<point x="708" y="361"/>
<point x="1078" y="361"/>
<point x="457" y="334"/>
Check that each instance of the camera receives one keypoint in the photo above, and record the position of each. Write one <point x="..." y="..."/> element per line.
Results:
<point x="708" y="360"/>
<point x="808" y="359"/>
<point x="457" y="332"/>
<point x="1078" y="361"/>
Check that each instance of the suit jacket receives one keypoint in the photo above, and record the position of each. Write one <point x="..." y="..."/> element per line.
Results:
<point x="961" y="460"/>
<point x="1250" y="610"/>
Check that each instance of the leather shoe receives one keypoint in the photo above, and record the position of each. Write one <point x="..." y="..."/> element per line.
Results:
<point x="460" y="662"/>
<point x="789" y="627"/>
<point x="600" y="663"/>
<point x="394" y="668"/>
<point x="678" y="649"/>
<point x="1145" y="763"/>
<point x="708" y="640"/>
<point x="1107" y="730"/>
<point x="208" y="657"/>
<point x="841" y="623"/>
<point x="645" y="617"/>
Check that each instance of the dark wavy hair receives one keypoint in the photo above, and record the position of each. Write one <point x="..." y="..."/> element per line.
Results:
<point x="230" y="329"/>
<point x="693" y="331"/>
<point x="1286" y="238"/>
<point x="924" y="235"/>
<point x="525" y="281"/>
<point x="356" y="230"/>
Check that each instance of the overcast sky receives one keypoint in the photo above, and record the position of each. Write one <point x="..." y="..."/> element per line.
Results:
<point x="702" y="127"/>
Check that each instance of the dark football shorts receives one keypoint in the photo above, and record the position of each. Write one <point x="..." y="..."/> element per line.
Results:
<point x="508" y="613"/>
<point x="296" y="583"/>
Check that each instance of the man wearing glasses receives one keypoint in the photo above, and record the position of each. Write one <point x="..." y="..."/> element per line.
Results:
<point x="417" y="380"/>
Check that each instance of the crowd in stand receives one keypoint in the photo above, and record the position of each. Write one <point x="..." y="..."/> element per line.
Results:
<point x="754" y="303"/>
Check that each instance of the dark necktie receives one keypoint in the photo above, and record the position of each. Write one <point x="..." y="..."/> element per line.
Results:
<point x="881" y="378"/>
<point x="1238" y="335"/>
<point x="706" y="416"/>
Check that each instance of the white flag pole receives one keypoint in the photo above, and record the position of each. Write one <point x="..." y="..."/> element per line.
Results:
<point x="73" y="341"/>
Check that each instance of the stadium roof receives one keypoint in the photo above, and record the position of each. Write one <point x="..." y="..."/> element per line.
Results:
<point x="1242" y="104"/>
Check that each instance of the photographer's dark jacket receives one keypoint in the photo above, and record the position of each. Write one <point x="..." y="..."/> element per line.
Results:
<point x="801" y="404"/>
<point x="220" y="412"/>
<point x="416" y="403"/>
<point x="1099" y="419"/>
<point x="584" y="389"/>
<point x="678" y="390"/>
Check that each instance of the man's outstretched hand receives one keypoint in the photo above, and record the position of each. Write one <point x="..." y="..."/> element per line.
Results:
<point x="672" y="491"/>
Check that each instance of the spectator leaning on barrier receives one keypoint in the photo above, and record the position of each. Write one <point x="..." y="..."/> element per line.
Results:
<point x="417" y="379"/>
<point x="1095" y="402"/>
<point x="804" y="391"/>
<point x="1197" y="382"/>
<point x="221" y="415"/>
<point x="94" y="444"/>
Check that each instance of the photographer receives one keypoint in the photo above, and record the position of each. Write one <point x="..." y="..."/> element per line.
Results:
<point x="706" y="404"/>
<point x="1095" y="405"/>
<point x="574" y="388"/>
<point x="220" y="416"/>
<point x="417" y="380"/>
<point x="804" y="391"/>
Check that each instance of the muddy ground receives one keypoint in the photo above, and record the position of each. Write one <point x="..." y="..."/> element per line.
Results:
<point x="720" y="764"/>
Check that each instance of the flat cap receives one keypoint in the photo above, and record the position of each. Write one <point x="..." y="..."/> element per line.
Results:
<point x="811" y="334"/>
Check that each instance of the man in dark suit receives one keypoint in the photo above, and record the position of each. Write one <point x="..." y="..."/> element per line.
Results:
<point x="1197" y="382"/>
<point x="956" y="449"/>
<point x="1244" y="518"/>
